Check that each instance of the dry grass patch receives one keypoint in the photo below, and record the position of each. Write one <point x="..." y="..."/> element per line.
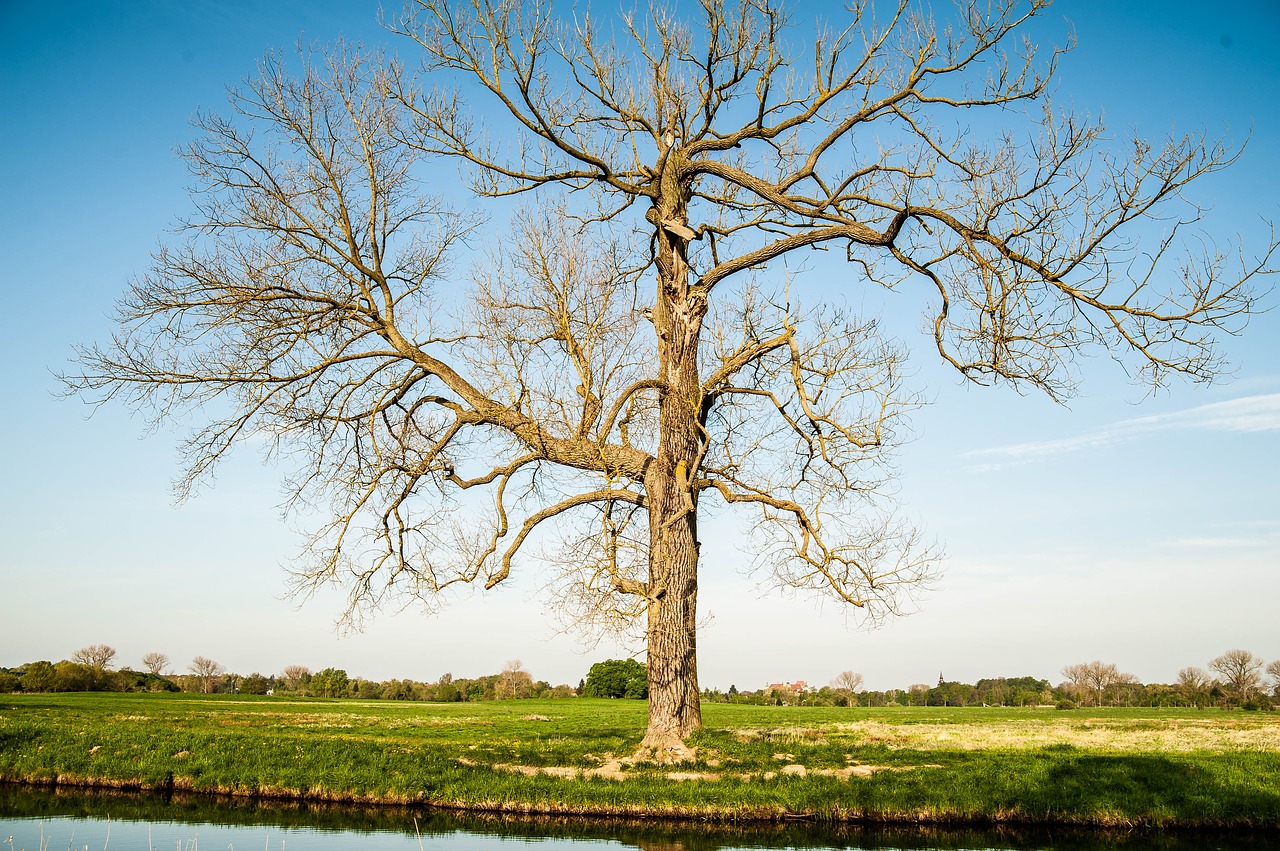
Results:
<point x="782" y="735"/>
<point x="350" y="720"/>
<point x="1251" y="733"/>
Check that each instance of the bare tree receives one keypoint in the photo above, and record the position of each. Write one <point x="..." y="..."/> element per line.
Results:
<point x="293" y="675"/>
<point x="207" y="671"/>
<point x="1273" y="671"/>
<point x="155" y="662"/>
<point x="1076" y="676"/>
<point x="848" y="682"/>
<point x="513" y="682"/>
<point x="96" y="656"/>
<point x="1194" y="683"/>
<point x="693" y="153"/>
<point x="1093" y="679"/>
<point x="1240" y="670"/>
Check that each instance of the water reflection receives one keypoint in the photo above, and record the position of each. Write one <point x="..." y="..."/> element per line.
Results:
<point x="49" y="820"/>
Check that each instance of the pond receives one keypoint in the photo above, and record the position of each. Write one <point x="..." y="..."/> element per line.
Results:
<point x="46" y="820"/>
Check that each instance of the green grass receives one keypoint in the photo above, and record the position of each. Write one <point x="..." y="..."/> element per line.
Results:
<point x="1108" y="767"/>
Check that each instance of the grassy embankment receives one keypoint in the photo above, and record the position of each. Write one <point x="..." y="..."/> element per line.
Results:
<point x="1108" y="767"/>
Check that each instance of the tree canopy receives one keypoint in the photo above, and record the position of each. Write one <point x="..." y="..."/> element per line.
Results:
<point x="617" y="678"/>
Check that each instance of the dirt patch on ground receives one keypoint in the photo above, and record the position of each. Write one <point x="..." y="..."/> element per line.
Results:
<point x="614" y="768"/>
<point x="797" y="770"/>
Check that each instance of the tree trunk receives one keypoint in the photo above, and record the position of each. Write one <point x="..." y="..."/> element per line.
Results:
<point x="674" y="711"/>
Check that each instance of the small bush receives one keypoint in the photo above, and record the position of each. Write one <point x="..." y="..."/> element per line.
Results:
<point x="1066" y="704"/>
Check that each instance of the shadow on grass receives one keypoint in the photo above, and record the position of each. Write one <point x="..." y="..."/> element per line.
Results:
<point x="1241" y="788"/>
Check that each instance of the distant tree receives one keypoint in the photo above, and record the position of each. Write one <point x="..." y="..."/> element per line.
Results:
<point x="397" y="690"/>
<point x="992" y="691"/>
<point x="1273" y="671"/>
<point x="1018" y="691"/>
<point x="330" y="682"/>
<point x="847" y="683"/>
<point x="481" y="688"/>
<point x="295" y="676"/>
<point x="96" y="656"/>
<point x="74" y="676"/>
<point x="1075" y="682"/>
<point x="1241" y="672"/>
<point x="1091" y="680"/>
<point x="1194" y="685"/>
<point x="1160" y="694"/>
<point x="1123" y="689"/>
<point x="155" y="662"/>
<point x="895" y="697"/>
<point x="447" y="691"/>
<point x="255" y="683"/>
<point x="39" y="677"/>
<point x="135" y="681"/>
<point x="617" y="678"/>
<point x="365" y="689"/>
<point x="950" y="694"/>
<point x="207" y="672"/>
<point x="514" y="682"/>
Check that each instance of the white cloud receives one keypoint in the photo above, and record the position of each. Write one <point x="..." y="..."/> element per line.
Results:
<point x="1253" y="414"/>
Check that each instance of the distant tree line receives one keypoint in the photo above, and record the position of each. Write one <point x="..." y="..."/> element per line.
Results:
<point x="1236" y="679"/>
<point x="1000" y="691"/>
<point x="1242" y="680"/>
<point x="89" y="670"/>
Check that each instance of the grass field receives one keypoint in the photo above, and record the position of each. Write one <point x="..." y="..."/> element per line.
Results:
<point x="1105" y="767"/>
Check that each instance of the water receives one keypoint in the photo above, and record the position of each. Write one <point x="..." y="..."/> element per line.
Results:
<point x="39" y="820"/>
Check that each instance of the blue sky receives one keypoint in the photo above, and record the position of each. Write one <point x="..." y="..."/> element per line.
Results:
<point x="1140" y="531"/>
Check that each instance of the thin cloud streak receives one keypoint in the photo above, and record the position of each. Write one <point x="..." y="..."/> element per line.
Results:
<point x="1221" y="543"/>
<point x="1251" y="414"/>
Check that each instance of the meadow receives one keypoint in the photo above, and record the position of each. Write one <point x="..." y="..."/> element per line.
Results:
<point x="1114" y="767"/>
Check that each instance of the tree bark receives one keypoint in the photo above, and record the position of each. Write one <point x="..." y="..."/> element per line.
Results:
<point x="679" y="309"/>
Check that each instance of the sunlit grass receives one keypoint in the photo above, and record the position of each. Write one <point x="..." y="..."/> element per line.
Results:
<point x="1105" y="767"/>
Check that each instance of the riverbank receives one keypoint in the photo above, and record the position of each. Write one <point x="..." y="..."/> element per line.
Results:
<point x="40" y="819"/>
<point x="1159" y="768"/>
